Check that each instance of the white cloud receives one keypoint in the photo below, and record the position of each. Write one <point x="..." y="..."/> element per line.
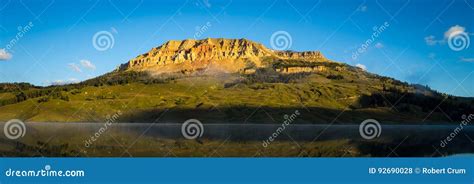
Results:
<point x="87" y="64"/>
<point x="361" y="66"/>
<point x="467" y="59"/>
<point x="454" y="30"/>
<point x="63" y="82"/>
<point x="362" y="8"/>
<point x="431" y="40"/>
<point x="4" y="55"/>
<point x="74" y="67"/>
<point x="379" y="45"/>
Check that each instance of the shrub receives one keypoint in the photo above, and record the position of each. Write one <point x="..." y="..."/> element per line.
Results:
<point x="335" y="77"/>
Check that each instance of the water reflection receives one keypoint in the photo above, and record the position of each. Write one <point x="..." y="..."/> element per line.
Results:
<point x="142" y="139"/>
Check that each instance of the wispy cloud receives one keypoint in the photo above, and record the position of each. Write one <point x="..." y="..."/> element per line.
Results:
<point x="362" y="8"/>
<point x="4" y="55"/>
<point x="74" y="67"/>
<point x="431" y="40"/>
<point x="452" y="31"/>
<point x="379" y="45"/>
<point x="467" y="59"/>
<point x="361" y="66"/>
<point x="63" y="82"/>
<point x="87" y="64"/>
<point x="203" y="3"/>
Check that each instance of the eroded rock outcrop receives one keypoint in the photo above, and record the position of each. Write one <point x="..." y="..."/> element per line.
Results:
<point x="228" y="55"/>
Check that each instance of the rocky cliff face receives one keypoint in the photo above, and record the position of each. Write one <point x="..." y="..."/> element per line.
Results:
<point x="230" y="55"/>
<point x="308" y="55"/>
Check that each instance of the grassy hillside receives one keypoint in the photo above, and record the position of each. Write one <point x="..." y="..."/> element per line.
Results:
<point x="261" y="97"/>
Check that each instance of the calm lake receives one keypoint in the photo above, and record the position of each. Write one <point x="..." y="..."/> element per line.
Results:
<point x="409" y="140"/>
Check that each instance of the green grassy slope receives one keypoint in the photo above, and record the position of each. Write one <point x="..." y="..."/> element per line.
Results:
<point x="342" y="91"/>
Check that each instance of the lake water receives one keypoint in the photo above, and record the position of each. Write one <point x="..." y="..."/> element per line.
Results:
<point x="425" y="139"/>
<point x="250" y="131"/>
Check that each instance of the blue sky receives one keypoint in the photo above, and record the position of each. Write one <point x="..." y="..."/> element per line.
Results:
<point x="56" y="42"/>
